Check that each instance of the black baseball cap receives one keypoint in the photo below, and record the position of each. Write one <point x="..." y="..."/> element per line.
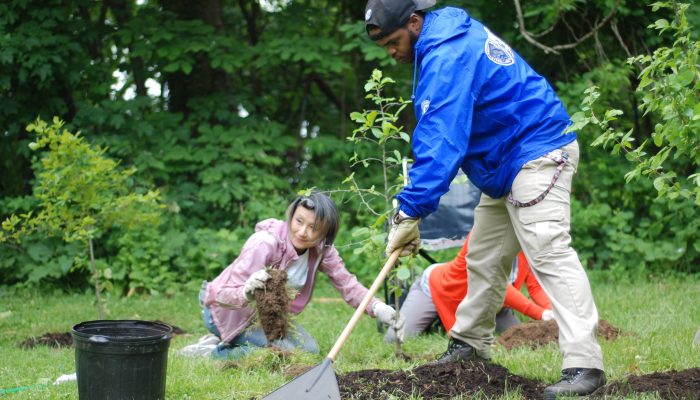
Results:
<point x="390" y="15"/>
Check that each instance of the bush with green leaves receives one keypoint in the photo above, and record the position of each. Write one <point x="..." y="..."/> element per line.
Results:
<point x="669" y="87"/>
<point x="81" y="194"/>
<point x="622" y="223"/>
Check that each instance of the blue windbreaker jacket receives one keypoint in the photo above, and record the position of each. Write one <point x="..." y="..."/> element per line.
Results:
<point x="479" y="106"/>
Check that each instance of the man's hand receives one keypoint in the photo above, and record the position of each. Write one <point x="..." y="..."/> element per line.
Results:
<point x="255" y="281"/>
<point x="403" y="235"/>
<point x="547" y="315"/>
<point x="387" y="315"/>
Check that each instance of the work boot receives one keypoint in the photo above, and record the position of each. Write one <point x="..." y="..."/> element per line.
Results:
<point x="457" y="351"/>
<point x="576" y="382"/>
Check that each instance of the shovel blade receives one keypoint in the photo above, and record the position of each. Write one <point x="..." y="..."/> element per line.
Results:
<point x="318" y="383"/>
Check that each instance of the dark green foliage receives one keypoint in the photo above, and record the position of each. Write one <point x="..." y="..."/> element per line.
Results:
<point x="255" y="105"/>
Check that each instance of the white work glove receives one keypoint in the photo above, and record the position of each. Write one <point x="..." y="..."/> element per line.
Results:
<point x="547" y="315"/>
<point x="387" y="315"/>
<point x="255" y="281"/>
<point x="403" y="235"/>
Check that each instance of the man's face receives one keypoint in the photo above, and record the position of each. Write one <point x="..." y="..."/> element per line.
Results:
<point x="400" y="44"/>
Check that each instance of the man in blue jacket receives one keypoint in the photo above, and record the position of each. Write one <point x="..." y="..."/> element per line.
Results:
<point x="480" y="107"/>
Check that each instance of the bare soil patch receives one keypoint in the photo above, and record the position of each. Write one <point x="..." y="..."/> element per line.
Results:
<point x="490" y="380"/>
<point x="673" y="384"/>
<point x="272" y="303"/>
<point x="51" y="339"/>
<point x="539" y="333"/>
<point x="438" y="382"/>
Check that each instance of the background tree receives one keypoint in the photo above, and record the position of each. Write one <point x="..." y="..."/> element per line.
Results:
<point x="229" y="107"/>
<point x="81" y="195"/>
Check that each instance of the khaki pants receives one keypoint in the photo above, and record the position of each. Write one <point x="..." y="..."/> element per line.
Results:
<point x="542" y="231"/>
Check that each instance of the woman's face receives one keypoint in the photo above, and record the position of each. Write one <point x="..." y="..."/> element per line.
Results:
<point x="303" y="231"/>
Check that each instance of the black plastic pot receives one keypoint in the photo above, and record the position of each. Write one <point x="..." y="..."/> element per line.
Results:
<point x="121" y="359"/>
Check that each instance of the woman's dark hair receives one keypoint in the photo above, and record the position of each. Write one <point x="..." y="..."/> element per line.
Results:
<point x="327" y="217"/>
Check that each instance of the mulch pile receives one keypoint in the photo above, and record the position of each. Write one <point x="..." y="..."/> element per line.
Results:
<point x="490" y="380"/>
<point x="539" y="333"/>
<point x="442" y="381"/>
<point x="673" y="384"/>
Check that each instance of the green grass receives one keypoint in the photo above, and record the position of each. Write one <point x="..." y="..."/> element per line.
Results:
<point x="660" y="319"/>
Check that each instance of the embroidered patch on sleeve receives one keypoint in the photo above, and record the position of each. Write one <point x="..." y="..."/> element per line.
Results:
<point x="424" y="106"/>
<point x="497" y="51"/>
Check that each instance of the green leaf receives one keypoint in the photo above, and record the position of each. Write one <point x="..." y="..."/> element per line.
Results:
<point x="660" y="183"/>
<point x="39" y="252"/>
<point x="661" y="23"/>
<point x="403" y="273"/>
<point x="357" y="117"/>
<point x="578" y="122"/>
<point x="612" y="114"/>
<point x="685" y="76"/>
<point x="360" y="232"/>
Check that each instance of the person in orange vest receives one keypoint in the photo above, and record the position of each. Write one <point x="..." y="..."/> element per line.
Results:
<point x="441" y="287"/>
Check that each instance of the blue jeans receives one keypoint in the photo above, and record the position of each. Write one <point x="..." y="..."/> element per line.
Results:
<point x="253" y="337"/>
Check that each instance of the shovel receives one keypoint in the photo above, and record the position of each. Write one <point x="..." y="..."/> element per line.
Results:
<point x="320" y="382"/>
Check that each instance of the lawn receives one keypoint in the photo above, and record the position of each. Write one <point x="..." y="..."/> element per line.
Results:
<point x="659" y="319"/>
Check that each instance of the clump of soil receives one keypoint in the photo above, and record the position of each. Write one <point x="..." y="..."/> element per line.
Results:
<point x="442" y="381"/>
<point x="272" y="303"/>
<point x="668" y="385"/>
<point x="51" y="339"/>
<point x="539" y="333"/>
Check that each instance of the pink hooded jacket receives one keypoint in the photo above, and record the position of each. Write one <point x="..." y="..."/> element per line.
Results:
<point x="270" y="246"/>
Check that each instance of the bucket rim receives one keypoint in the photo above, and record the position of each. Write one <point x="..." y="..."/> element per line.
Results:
<point x="164" y="331"/>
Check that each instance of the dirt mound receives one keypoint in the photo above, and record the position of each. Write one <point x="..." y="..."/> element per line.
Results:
<point x="51" y="339"/>
<point x="437" y="382"/>
<point x="668" y="385"/>
<point x="490" y="380"/>
<point x="539" y="333"/>
<point x="271" y="303"/>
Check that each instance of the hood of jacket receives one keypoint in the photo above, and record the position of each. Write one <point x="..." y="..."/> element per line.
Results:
<point x="441" y="26"/>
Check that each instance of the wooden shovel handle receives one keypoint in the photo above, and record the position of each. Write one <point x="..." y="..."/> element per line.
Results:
<point x="361" y="308"/>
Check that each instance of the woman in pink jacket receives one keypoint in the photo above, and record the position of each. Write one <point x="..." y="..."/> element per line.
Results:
<point x="303" y="246"/>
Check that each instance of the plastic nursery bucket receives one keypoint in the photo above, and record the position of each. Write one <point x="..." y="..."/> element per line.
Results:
<point x="121" y="359"/>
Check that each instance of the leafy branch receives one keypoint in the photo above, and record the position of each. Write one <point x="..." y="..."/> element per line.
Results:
<point x="378" y="141"/>
<point x="669" y="88"/>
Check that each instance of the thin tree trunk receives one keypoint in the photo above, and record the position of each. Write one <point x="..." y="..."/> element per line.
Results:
<point x="96" y="281"/>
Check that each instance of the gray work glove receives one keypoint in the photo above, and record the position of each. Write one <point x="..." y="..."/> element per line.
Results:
<point x="403" y="235"/>
<point x="255" y="281"/>
<point x="388" y="315"/>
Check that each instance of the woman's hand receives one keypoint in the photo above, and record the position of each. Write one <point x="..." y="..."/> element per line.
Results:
<point x="255" y="281"/>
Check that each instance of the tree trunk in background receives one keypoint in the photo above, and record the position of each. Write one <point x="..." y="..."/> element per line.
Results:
<point x="202" y="80"/>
